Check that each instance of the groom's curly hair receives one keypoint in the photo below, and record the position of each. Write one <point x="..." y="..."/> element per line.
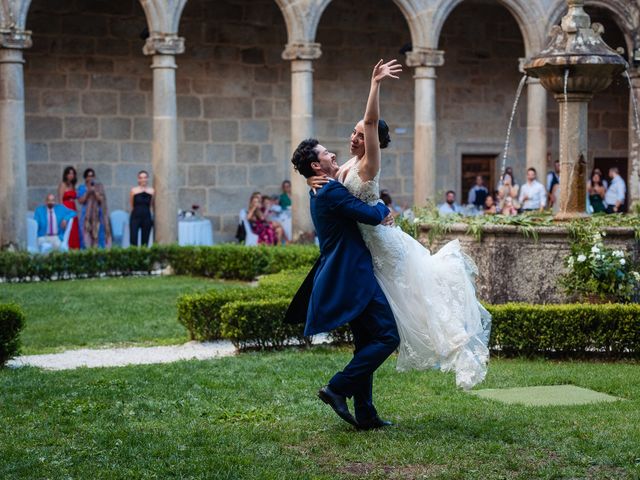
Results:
<point x="304" y="155"/>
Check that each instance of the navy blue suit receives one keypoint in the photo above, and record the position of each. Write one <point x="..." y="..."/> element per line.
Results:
<point x="346" y="291"/>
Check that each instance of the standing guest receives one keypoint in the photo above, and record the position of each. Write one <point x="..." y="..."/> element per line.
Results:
<point x="597" y="192"/>
<point x="67" y="196"/>
<point x="616" y="193"/>
<point x="450" y="206"/>
<point x="507" y="171"/>
<point x="96" y="230"/>
<point x="533" y="196"/>
<point x="508" y="191"/>
<point x="553" y="184"/>
<point x="478" y="193"/>
<point x="52" y="221"/>
<point x="285" y="196"/>
<point x="605" y="182"/>
<point x="141" y="199"/>
<point x="489" y="206"/>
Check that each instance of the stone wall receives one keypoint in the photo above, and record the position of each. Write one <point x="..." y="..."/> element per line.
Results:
<point x="476" y="88"/>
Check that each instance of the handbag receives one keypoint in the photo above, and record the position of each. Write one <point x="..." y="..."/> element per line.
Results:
<point x="241" y="233"/>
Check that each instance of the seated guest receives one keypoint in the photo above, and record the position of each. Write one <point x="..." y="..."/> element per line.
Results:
<point x="508" y="207"/>
<point x="285" y="196"/>
<point x="450" y="206"/>
<point x="260" y="225"/>
<point x="393" y="208"/>
<point x="489" y="206"/>
<point x="478" y="193"/>
<point x="52" y="221"/>
<point x="270" y="212"/>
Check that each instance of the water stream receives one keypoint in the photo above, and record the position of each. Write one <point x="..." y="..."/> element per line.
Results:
<point x="505" y="152"/>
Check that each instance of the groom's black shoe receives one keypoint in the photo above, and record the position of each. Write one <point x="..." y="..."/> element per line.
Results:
<point x="375" y="422"/>
<point x="338" y="403"/>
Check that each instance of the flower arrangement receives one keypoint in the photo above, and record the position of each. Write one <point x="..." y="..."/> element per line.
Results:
<point x="597" y="273"/>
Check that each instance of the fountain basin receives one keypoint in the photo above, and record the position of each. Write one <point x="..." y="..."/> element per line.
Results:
<point x="515" y="268"/>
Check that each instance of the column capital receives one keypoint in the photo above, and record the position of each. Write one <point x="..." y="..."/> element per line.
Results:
<point x="301" y="51"/>
<point x="425" y="57"/>
<point x="163" y="44"/>
<point x="14" y="38"/>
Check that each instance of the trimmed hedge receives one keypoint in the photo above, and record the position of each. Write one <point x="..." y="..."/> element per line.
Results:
<point x="12" y="321"/>
<point x="201" y="313"/>
<point x="260" y="324"/>
<point x="220" y="261"/>
<point x="573" y="329"/>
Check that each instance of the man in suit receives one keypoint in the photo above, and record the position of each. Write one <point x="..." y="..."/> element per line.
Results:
<point x="52" y="221"/>
<point x="344" y="287"/>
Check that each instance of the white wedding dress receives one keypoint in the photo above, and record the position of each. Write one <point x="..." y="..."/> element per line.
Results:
<point x="441" y="323"/>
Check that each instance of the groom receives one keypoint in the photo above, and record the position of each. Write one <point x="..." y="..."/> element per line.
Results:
<point x="344" y="287"/>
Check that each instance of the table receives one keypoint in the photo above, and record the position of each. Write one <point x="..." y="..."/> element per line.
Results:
<point x="195" y="232"/>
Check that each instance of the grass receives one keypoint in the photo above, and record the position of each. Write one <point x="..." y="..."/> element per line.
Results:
<point x="95" y="312"/>
<point x="256" y="416"/>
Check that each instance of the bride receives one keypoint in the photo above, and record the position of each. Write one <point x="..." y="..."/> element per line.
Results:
<point x="440" y="321"/>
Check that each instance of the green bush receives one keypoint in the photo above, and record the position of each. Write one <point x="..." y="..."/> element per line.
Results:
<point x="11" y="323"/>
<point x="220" y="261"/>
<point x="259" y="324"/>
<point x="574" y="329"/>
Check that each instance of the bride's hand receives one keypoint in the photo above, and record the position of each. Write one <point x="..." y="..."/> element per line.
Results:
<point x="388" y="221"/>
<point x="317" y="182"/>
<point x="390" y="69"/>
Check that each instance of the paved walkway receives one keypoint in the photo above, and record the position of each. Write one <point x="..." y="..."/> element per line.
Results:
<point x="119" y="357"/>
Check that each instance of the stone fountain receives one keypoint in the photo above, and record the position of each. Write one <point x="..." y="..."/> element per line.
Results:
<point x="574" y="66"/>
<point x="513" y="268"/>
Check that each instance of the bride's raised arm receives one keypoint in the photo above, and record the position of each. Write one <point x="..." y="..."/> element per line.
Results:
<point x="370" y="164"/>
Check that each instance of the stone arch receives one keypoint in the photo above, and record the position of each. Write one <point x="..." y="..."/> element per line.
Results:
<point x="163" y="16"/>
<point x="303" y="18"/>
<point x="13" y="14"/>
<point x="525" y="12"/>
<point x="625" y="13"/>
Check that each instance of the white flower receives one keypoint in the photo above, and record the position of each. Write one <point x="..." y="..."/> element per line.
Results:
<point x="416" y="220"/>
<point x="636" y="275"/>
<point x="581" y="258"/>
<point x="604" y="234"/>
<point x="618" y="253"/>
<point x="599" y="257"/>
<point x="622" y="261"/>
<point x="597" y="237"/>
<point x="595" y="249"/>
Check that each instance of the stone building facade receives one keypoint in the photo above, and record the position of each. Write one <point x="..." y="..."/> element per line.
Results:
<point x="210" y="96"/>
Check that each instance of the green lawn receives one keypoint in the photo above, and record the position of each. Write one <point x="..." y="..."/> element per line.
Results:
<point x="89" y="313"/>
<point x="256" y="416"/>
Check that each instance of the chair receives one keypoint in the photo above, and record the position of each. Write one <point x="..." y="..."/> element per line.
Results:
<point x="251" y="239"/>
<point x="119" y="227"/>
<point x="64" y="246"/>
<point x="32" y="235"/>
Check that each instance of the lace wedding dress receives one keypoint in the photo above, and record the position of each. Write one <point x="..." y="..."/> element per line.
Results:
<point x="433" y="298"/>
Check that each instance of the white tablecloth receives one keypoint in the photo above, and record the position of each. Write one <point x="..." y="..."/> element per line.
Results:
<point x="195" y="232"/>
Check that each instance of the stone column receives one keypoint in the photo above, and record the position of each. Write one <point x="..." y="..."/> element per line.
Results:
<point x="633" y="188"/>
<point x="13" y="167"/>
<point x="537" y="127"/>
<point x="573" y="154"/>
<point x="424" y="61"/>
<point x="301" y="56"/>
<point x="163" y="48"/>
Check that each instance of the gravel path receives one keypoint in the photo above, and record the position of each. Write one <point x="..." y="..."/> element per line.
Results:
<point x="119" y="357"/>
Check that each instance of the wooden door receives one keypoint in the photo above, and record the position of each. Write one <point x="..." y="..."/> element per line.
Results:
<point x="474" y="165"/>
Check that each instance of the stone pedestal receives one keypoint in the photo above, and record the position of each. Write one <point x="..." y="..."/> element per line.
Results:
<point x="425" y="62"/>
<point x="302" y="127"/>
<point x="633" y="186"/>
<point x="537" y="127"/>
<point x="13" y="169"/>
<point x="573" y="154"/>
<point x="165" y="136"/>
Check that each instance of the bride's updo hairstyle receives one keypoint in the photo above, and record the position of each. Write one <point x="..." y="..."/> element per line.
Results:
<point x="304" y="155"/>
<point x="383" y="134"/>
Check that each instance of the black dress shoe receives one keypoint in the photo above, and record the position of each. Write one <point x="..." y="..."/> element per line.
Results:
<point x="338" y="403"/>
<point x="375" y="422"/>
